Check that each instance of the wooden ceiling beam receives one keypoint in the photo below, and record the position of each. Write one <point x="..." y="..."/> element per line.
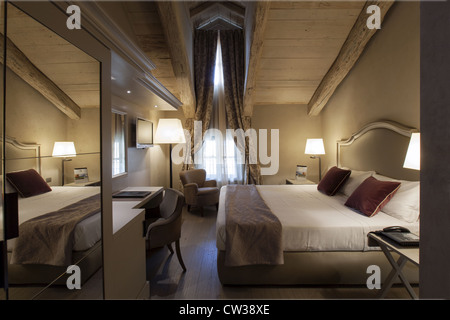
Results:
<point x="350" y="52"/>
<point x="261" y="13"/>
<point x="233" y="7"/>
<point x="174" y="30"/>
<point x="25" y="69"/>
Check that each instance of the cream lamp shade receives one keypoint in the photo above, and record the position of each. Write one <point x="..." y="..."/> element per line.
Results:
<point x="412" y="159"/>
<point x="314" y="146"/>
<point x="64" y="149"/>
<point x="169" y="131"/>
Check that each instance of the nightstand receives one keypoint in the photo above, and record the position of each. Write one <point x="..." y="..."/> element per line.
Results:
<point x="406" y="254"/>
<point x="83" y="184"/>
<point x="299" y="181"/>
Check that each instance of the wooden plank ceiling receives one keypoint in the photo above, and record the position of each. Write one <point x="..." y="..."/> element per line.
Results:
<point x="295" y="43"/>
<point x="145" y="23"/>
<point x="301" y="41"/>
<point x="70" y="69"/>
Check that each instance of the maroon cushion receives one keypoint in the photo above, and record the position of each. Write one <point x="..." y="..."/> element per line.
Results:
<point x="372" y="195"/>
<point x="28" y="183"/>
<point x="333" y="180"/>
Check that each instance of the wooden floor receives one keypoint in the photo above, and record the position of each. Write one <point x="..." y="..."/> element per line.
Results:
<point x="200" y="281"/>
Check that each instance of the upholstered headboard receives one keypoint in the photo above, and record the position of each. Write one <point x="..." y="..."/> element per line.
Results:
<point x="380" y="146"/>
<point x="22" y="156"/>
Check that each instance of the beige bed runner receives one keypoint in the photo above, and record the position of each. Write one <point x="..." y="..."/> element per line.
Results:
<point x="48" y="239"/>
<point x="253" y="232"/>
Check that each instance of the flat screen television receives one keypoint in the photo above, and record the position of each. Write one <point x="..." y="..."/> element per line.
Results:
<point x="144" y="133"/>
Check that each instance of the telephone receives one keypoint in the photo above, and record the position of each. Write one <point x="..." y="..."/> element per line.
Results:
<point x="395" y="229"/>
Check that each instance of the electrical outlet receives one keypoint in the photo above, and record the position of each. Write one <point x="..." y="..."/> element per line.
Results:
<point x="48" y="179"/>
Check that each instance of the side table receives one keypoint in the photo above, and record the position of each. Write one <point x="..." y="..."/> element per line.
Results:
<point x="406" y="254"/>
<point x="299" y="181"/>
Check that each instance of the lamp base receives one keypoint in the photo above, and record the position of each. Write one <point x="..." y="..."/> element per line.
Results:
<point x="320" y="166"/>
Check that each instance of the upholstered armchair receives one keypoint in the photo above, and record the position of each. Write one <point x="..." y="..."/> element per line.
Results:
<point x="198" y="191"/>
<point x="167" y="229"/>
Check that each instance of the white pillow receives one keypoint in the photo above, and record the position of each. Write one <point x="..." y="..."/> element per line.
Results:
<point x="355" y="179"/>
<point x="405" y="204"/>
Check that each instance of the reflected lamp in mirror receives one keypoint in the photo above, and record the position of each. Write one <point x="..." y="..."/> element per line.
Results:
<point x="169" y="131"/>
<point x="412" y="159"/>
<point x="64" y="149"/>
<point x="315" y="148"/>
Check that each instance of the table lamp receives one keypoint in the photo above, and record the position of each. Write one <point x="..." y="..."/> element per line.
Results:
<point x="315" y="147"/>
<point x="64" y="149"/>
<point x="169" y="131"/>
<point x="412" y="159"/>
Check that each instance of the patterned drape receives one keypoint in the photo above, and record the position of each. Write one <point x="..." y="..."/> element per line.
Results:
<point x="205" y="46"/>
<point x="234" y="77"/>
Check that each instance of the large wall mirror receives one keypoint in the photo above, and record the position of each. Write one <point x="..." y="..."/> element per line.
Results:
<point x="52" y="162"/>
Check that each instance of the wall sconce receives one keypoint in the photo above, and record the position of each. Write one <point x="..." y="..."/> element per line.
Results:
<point x="315" y="147"/>
<point x="64" y="149"/>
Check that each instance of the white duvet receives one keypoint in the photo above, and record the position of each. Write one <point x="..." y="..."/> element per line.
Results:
<point x="86" y="233"/>
<point x="312" y="221"/>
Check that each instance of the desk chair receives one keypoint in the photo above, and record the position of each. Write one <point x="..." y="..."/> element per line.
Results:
<point x="167" y="229"/>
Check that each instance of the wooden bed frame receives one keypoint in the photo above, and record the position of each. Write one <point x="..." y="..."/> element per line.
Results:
<point x="343" y="267"/>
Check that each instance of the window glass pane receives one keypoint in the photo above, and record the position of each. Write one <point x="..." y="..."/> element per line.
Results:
<point x="118" y="143"/>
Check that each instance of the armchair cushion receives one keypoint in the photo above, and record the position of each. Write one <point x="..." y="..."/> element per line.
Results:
<point x="210" y="183"/>
<point x="207" y="191"/>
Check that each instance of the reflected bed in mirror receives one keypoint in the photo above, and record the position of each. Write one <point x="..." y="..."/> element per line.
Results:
<point x="59" y="226"/>
<point x="53" y="94"/>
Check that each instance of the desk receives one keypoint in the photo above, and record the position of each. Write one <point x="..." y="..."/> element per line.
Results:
<point x="406" y="254"/>
<point x="126" y="209"/>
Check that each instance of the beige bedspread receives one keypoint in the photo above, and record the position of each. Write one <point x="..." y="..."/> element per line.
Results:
<point x="48" y="239"/>
<point x="253" y="232"/>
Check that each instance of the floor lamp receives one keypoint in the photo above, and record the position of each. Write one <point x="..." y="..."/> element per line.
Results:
<point x="315" y="147"/>
<point x="64" y="149"/>
<point x="169" y="131"/>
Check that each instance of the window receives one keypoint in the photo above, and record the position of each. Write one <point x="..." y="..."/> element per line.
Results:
<point x="119" y="165"/>
<point x="221" y="159"/>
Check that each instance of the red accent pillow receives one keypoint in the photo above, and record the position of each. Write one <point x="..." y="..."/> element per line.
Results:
<point x="333" y="180"/>
<point x="372" y="195"/>
<point x="28" y="183"/>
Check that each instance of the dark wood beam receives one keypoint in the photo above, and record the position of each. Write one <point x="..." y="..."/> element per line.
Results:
<point x="350" y="52"/>
<point x="233" y="7"/>
<point x="174" y="28"/>
<point x="25" y="69"/>
<point x="260" y="15"/>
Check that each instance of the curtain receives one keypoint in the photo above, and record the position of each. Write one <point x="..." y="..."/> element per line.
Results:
<point x="220" y="157"/>
<point x="234" y="77"/>
<point x="205" y="44"/>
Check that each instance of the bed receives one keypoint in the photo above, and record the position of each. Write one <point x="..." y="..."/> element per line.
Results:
<point x="58" y="226"/>
<point x="321" y="238"/>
